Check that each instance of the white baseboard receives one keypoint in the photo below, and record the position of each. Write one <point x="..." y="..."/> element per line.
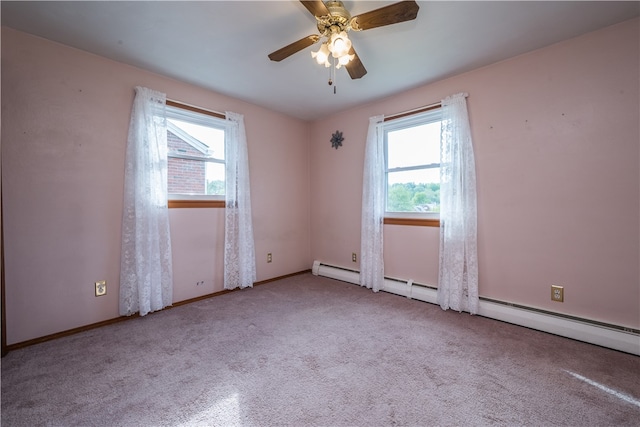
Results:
<point x="610" y="336"/>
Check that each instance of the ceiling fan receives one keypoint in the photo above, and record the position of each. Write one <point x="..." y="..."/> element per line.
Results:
<point x="334" y="22"/>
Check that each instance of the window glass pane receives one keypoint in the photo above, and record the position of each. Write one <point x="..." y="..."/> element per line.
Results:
<point x="185" y="176"/>
<point x="195" y="144"/>
<point x="207" y="141"/>
<point x="414" y="191"/>
<point x="417" y="145"/>
<point x="215" y="173"/>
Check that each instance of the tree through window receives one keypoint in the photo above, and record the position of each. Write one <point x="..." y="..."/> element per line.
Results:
<point x="412" y="165"/>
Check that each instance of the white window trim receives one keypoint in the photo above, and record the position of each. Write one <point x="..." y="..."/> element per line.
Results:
<point x="194" y="117"/>
<point x="181" y="196"/>
<point x="412" y="215"/>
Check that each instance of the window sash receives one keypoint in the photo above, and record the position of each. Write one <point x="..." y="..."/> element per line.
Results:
<point x="196" y="158"/>
<point x="413" y="168"/>
<point x="407" y="122"/>
<point x="201" y="119"/>
<point x="197" y="118"/>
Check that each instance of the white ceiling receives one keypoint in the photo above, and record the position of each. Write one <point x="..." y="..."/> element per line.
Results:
<point x="223" y="45"/>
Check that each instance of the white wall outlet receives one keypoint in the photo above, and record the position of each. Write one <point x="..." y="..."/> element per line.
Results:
<point x="101" y="288"/>
<point x="557" y="293"/>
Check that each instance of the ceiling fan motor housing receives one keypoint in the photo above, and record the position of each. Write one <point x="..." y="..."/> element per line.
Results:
<point x="337" y="20"/>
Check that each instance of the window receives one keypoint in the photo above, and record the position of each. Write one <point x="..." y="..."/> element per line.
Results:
<point x="195" y="156"/>
<point x="412" y="166"/>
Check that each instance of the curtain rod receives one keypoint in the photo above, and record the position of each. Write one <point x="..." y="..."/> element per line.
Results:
<point x="193" y="108"/>
<point x="414" y="111"/>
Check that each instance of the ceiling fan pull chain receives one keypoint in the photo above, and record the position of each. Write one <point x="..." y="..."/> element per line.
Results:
<point x="334" y="75"/>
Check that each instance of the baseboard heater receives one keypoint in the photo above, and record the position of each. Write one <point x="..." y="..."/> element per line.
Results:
<point x="605" y="335"/>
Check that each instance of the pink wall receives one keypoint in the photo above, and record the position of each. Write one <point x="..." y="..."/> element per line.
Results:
<point x="65" y="116"/>
<point x="557" y="157"/>
<point x="557" y="150"/>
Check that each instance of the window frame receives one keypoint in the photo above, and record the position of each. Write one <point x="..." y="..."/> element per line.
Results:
<point x="200" y="116"/>
<point x="404" y="121"/>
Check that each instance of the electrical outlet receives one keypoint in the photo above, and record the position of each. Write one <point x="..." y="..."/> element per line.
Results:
<point x="557" y="293"/>
<point x="269" y="257"/>
<point x="354" y="257"/>
<point x="101" y="288"/>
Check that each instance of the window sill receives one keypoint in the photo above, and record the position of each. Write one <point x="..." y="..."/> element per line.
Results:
<point x="177" y="204"/>
<point x="421" y="222"/>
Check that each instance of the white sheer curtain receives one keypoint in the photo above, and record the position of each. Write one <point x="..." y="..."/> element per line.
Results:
<point x="458" y="272"/>
<point x="146" y="277"/>
<point x="373" y="190"/>
<point x="239" y="252"/>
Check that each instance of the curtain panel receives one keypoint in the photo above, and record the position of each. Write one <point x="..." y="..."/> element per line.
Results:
<point x="458" y="263"/>
<point x="239" y="251"/>
<point x="146" y="277"/>
<point x="373" y="207"/>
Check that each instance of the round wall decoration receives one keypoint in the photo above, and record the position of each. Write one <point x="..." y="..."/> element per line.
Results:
<point x="336" y="139"/>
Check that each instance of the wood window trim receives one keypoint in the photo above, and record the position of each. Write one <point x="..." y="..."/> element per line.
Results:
<point x="412" y="112"/>
<point x="195" y="109"/>
<point x="420" y="222"/>
<point x="177" y="204"/>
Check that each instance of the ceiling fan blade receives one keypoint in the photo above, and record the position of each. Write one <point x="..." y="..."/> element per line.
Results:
<point x="355" y="67"/>
<point x="294" y="47"/>
<point x="392" y="14"/>
<point x="316" y="7"/>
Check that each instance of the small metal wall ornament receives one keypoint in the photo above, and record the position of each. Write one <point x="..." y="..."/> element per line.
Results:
<point x="336" y="139"/>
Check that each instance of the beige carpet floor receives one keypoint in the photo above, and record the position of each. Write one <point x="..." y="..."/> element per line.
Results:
<point x="313" y="351"/>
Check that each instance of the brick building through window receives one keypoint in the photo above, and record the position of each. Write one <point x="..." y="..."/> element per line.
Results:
<point x="196" y="152"/>
<point x="185" y="176"/>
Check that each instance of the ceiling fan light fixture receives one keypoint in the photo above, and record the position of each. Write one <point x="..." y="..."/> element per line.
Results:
<point x="322" y="55"/>
<point x="344" y="60"/>
<point x="339" y="44"/>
